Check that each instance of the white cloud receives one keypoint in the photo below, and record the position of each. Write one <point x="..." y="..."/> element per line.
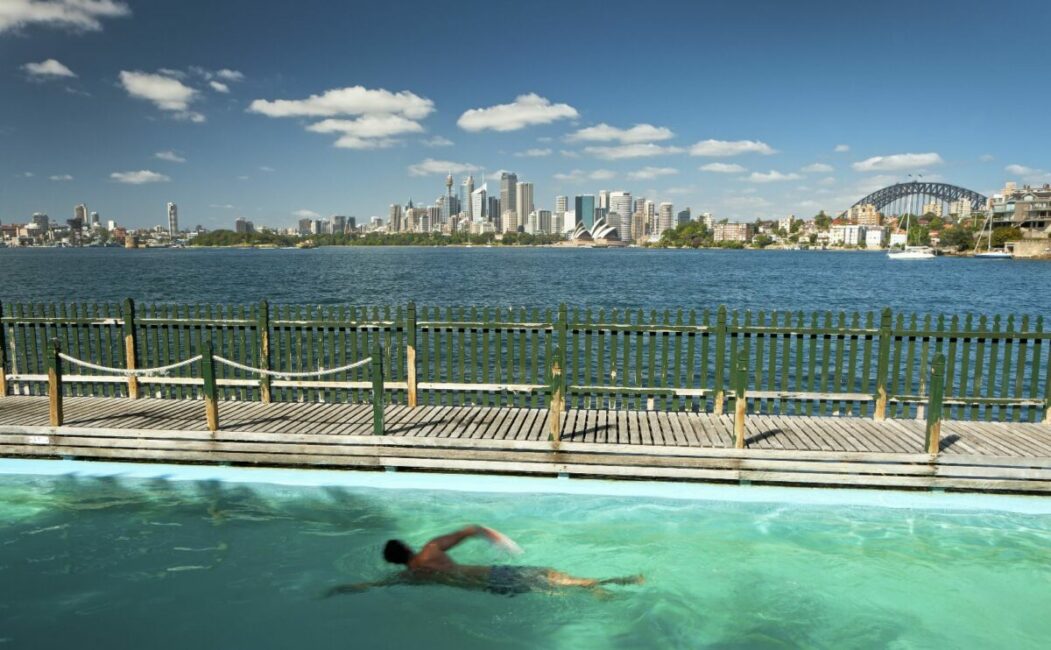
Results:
<point x="1021" y="170"/>
<point x="636" y="134"/>
<point x="139" y="177"/>
<point x="828" y="180"/>
<point x="723" y="148"/>
<point x="437" y="141"/>
<point x="578" y="175"/>
<point x="431" y="166"/>
<point x="367" y="131"/>
<point x="841" y="148"/>
<point x="817" y="168"/>
<point x="83" y="15"/>
<point x="772" y="176"/>
<point x="649" y="173"/>
<point x="380" y="114"/>
<point x="565" y="153"/>
<point x="222" y="206"/>
<point x="170" y="156"/>
<point x="219" y="87"/>
<point x="897" y="162"/>
<point x="61" y="177"/>
<point x="230" y="75"/>
<point x="166" y="93"/>
<point x="533" y="153"/>
<point x="266" y="169"/>
<point x="678" y="191"/>
<point x="640" y="150"/>
<point x="49" y="69"/>
<point x="526" y="110"/>
<point x="306" y="214"/>
<point x="986" y="157"/>
<point x="722" y="168"/>
<point x="353" y="100"/>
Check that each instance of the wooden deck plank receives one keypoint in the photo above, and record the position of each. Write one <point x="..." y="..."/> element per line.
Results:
<point x="640" y="444"/>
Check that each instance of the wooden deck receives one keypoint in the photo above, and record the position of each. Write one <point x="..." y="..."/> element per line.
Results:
<point x="816" y="451"/>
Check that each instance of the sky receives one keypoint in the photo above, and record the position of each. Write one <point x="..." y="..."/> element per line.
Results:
<point x="275" y="110"/>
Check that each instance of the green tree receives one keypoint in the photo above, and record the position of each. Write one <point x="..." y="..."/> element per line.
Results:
<point x="957" y="237"/>
<point x="762" y="241"/>
<point x="1004" y="234"/>
<point x="822" y="221"/>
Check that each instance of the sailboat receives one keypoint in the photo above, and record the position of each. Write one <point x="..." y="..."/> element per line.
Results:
<point x="911" y="252"/>
<point x="989" y="253"/>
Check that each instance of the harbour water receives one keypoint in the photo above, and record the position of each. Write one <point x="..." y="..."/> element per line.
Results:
<point x="114" y="561"/>
<point x="530" y="277"/>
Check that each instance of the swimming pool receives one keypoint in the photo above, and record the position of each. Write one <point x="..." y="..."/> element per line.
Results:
<point x="133" y="556"/>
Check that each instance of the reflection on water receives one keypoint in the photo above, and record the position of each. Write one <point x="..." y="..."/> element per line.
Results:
<point x="133" y="563"/>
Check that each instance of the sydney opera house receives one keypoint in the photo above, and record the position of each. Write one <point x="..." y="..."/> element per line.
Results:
<point x="600" y="234"/>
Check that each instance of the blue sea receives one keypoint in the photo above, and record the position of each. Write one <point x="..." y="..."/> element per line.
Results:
<point x="531" y="277"/>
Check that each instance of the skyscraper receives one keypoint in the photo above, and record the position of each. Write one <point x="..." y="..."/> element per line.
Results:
<point x="467" y="201"/>
<point x="508" y="181"/>
<point x="603" y="199"/>
<point x="561" y="204"/>
<point x="584" y="207"/>
<point x="665" y="218"/>
<point x="492" y="212"/>
<point x="81" y="212"/>
<point x="394" y="218"/>
<point x="683" y="217"/>
<point x="173" y="220"/>
<point x="479" y="203"/>
<point x="523" y="202"/>
<point x="620" y="203"/>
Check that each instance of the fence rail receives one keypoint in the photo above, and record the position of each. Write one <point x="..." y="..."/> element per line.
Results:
<point x="875" y="364"/>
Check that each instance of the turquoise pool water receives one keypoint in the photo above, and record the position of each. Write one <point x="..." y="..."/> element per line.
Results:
<point x="103" y="556"/>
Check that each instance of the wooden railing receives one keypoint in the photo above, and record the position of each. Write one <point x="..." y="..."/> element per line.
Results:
<point x="869" y="365"/>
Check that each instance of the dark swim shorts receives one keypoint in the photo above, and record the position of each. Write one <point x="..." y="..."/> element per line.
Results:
<point x="509" y="580"/>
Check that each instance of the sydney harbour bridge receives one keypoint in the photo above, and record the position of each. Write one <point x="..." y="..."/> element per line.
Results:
<point x="915" y="196"/>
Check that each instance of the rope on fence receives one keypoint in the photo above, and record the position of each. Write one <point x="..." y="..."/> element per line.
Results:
<point x="289" y="375"/>
<point x="138" y="372"/>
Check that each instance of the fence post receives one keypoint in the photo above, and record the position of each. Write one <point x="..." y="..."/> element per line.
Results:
<point x="740" y="401"/>
<point x="557" y="401"/>
<point x="54" y="384"/>
<point x="3" y="353"/>
<point x="410" y="354"/>
<point x="263" y="328"/>
<point x="562" y="344"/>
<point x="879" y="413"/>
<point x="720" y="359"/>
<point x="934" y="405"/>
<point x="377" y="389"/>
<point x="211" y="405"/>
<point x="131" y="355"/>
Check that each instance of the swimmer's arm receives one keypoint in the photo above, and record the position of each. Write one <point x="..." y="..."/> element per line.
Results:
<point x="359" y="587"/>
<point x="446" y="542"/>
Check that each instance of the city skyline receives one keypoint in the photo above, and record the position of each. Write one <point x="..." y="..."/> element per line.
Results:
<point x="254" y="131"/>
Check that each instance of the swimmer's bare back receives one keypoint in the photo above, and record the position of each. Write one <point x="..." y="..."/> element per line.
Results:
<point x="432" y="565"/>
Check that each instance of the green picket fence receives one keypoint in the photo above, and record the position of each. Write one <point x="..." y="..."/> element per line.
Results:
<point x="997" y="368"/>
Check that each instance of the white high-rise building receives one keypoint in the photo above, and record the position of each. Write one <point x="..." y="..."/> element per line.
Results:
<point x="665" y="218"/>
<point x="173" y="220"/>
<point x="479" y="203"/>
<point x="81" y="212"/>
<point x="620" y="203"/>
<point x="603" y="199"/>
<point x="543" y="222"/>
<point x="468" y="197"/>
<point x="561" y="204"/>
<point x="523" y="202"/>
<point x="509" y="221"/>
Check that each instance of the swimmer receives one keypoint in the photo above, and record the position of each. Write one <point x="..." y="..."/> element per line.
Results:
<point x="432" y="565"/>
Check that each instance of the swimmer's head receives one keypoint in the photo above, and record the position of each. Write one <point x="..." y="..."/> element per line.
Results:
<point x="397" y="552"/>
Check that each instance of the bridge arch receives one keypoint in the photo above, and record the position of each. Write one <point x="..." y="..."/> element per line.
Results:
<point x="900" y="193"/>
